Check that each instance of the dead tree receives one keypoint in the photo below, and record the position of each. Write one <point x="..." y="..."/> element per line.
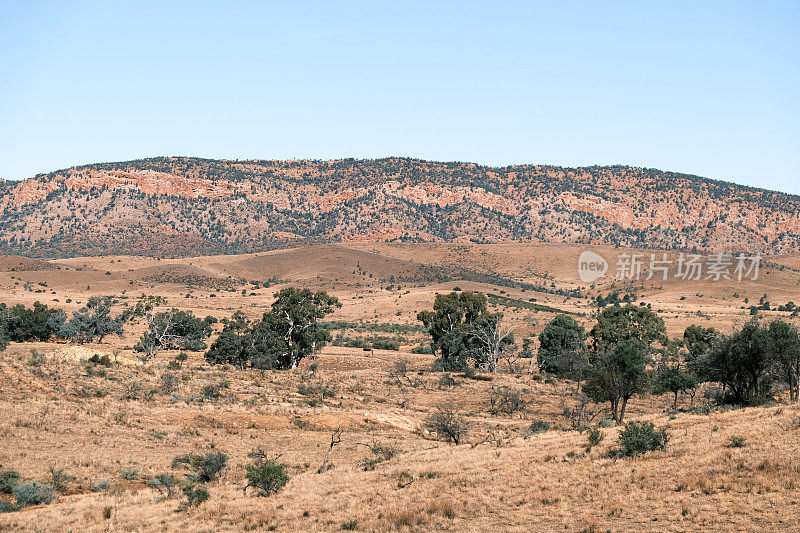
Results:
<point x="336" y="438"/>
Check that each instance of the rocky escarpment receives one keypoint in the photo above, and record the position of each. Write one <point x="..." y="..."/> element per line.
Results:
<point x="190" y="206"/>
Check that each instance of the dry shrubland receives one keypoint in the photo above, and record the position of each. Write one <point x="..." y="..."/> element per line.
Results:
<point x="107" y="433"/>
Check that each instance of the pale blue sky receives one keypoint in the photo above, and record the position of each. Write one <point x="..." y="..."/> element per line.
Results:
<point x="709" y="88"/>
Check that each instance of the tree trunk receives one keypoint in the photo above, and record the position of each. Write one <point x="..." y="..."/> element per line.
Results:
<point x="615" y="410"/>
<point x="622" y="410"/>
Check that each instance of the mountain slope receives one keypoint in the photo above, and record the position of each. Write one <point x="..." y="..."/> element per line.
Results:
<point x="169" y="206"/>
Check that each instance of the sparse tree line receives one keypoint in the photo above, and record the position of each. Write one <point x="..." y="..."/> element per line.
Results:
<point x="626" y="352"/>
<point x="289" y="331"/>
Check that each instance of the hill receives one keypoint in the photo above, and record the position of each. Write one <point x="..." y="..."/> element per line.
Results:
<point x="180" y="206"/>
<point x="114" y="427"/>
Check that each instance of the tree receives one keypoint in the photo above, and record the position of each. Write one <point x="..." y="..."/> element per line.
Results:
<point x="784" y="352"/>
<point x="451" y="326"/>
<point x="698" y="340"/>
<point x="92" y="322"/>
<point x="285" y="334"/>
<point x="616" y="324"/>
<point x="234" y="344"/>
<point x="562" y="348"/>
<point x="173" y="329"/>
<point x="294" y="317"/>
<point x="740" y="362"/>
<point x="617" y="375"/>
<point x="671" y="378"/>
<point x="23" y="324"/>
<point x="490" y="342"/>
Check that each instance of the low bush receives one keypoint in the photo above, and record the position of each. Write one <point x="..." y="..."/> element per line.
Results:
<point x="33" y="493"/>
<point x="538" y="426"/>
<point x="60" y="479"/>
<point x="380" y="453"/>
<point x="267" y="476"/>
<point x="350" y="525"/>
<point x="8" y="480"/>
<point x="129" y="474"/>
<point x="506" y="400"/>
<point x="100" y="485"/>
<point x="641" y="437"/>
<point x="8" y="507"/>
<point x="195" y="495"/>
<point x="447" y="424"/>
<point x="737" y="441"/>
<point x="166" y="484"/>
<point x="205" y="467"/>
<point x="594" y="437"/>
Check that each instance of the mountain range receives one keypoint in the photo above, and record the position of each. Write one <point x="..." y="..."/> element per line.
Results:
<point x="185" y="206"/>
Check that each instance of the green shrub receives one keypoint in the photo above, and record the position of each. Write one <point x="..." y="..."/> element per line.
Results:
<point x="538" y="426"/>
<point x="195" y="495"/>
<point x="128" y="473"/>
<point x="212" y="391"/>
<point x="737" y="441"/>
<point x="60" y="479"/>
<point x="33" y="493"/>
<point x="447" y="424"/>
<point x="267" y="476"/>
<point x="206" y="467"/>
<point x="163" y="483"/>
<point x="380" y="453"/>
<point x="8" y="507"/>
<point x="640" y="437"/>
<point x="100" y="485"/>
<point x="350" y="525"/>
<point x="8" y="480"/>
<point x="98" y="360"/>
<point x="386" y="344"/>
<point x="422" y="349"/>
<point x="594" y="437"/>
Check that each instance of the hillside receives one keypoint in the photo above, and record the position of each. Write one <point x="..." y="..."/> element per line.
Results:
<point x="113" y="428"/>
<point x="178" y="206"/>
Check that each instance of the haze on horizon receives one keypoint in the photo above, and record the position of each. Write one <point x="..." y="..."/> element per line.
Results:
<point x="705" y="89"/>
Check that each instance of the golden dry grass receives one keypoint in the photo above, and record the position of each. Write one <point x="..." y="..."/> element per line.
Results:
<point x="56" y="414"/>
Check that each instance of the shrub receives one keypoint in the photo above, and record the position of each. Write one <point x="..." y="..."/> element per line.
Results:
<point x="737" y="441"/>
<point x="100" y="360"/>
<point x="205" y="467"/>
<point x="212" y="391"/>
<point x="422" y="349"/>
<point x="401" y="367"/>
<point x="538" y="426"/>
<point x="169" y="382"/>
<point x="163" y="483"/>
<point x="350" y="525"/>
<point x="386" y="344"/>
<point x="33" y="493"/>
<point x="506" y="400"/>
<point x="447" y="424"/>
<point x="594" y="437"/>
<point x="267" y="476"/>
<point x="447" y="381"/>
<point x="100" y="485"/>
<point x="129" y="473"/>
<point x="380" y="453"/>
<point x="60" y="479"/>
<point x="8" y="480"/>
<point x="8" y="507"/>
<point x="640" y="437"/>
<point x="195" y="495"/>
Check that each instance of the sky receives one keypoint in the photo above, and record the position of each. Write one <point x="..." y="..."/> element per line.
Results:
<point x="702" y="87"/>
